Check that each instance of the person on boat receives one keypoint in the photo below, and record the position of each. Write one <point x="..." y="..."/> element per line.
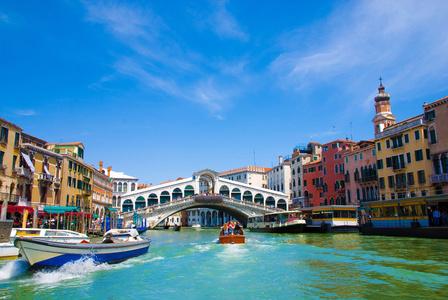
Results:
<point x="230" y="227"/>
<point x="238" y="229"/>
<point x="224" y="229"/>
<point x="108" y="239"/>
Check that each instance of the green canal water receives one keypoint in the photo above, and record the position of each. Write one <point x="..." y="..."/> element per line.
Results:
<point x="192" y="265"/>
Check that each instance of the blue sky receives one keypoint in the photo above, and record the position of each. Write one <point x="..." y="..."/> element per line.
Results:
<point x="161" y="89"/>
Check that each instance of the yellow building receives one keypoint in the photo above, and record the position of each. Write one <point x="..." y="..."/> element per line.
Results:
<point x="10" y="135"/>
<point x="77" y="177"/>
<point x="404" y="160"/>
<point x="43" y="188"/>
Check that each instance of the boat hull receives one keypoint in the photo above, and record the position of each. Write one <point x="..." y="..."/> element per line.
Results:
<point x="232" y="239"/>
<point x="8" y="251"/>
<point x="53" y="254"/>
<point x="293" y="228"/>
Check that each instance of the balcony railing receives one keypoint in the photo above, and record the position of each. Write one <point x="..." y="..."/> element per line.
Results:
<point x="21" y="171"/>
<point x="57" y="182"/>
<point x="397" y="167"/>
<point x="3" y="167"/>
<point x="400" y="186"/>
<point x="45" y="177"/>
<point x="319" y="186"/>
<point x="439" y="178"/>
<point x="367" y="179"/>
<point x="87" y="192"/>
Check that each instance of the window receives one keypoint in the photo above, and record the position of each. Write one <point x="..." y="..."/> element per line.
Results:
<point x="336" y="168"/>
<point x="356" y="157"/>
<point x="418" y="155"/>
<point x="378" y="146"/>
<point x="346" y="160"/>
<point x="410" y="176"/>
<point x="397" y="142"/>
<point x="430" y="115"/>
<point x="360" y="156"/>
<point x="1" y="157"/>
<point x="408" y="158"/>
<point x="417" y="135"/>
<point x="379" y="163"/>
<point x="16" y="140"/>
<point x="373" y="152"/>
<point x="428" y="154"/>
<point x="382" y="186"/>
<point x="14" y="159"/>
<point x="4" y="135"/>
<point x="391" y="181"/>
<point x="421" y="176"/>
<point x="432" y="135"/>
<point x="335" y="156"/>
<point x="406" y="138"/>
<point x="388" y="162"/>
<point x="387" y="144"/>
<point x="304" y="183"/>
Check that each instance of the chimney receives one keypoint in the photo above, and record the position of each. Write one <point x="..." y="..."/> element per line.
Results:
<point x="280" y="160"/>
<point x="101" y="166"/>
<point x="108" y="171"/>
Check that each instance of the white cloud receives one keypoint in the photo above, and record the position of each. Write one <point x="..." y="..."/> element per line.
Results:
<point x="4" y="18"/>
<point x="224" y="23"/>
<point x="25" y="113"/>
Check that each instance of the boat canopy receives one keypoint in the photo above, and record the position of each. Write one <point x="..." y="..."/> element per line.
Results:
<point x="60" y="209"/>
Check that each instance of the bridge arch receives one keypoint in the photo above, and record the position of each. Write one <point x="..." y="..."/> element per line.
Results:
<point x="153" y="199"/>
<point x="177" y="193"/>
<point x="140" y="202"/>
<point x="164" y="197"/>
<point x="127" y="205"/>
<point x="188" y="191"/>
<point x="224" y="190"/>
<point x="236" y="194"/>
<point x="247" y="196"/>
<point x="270" y="201"/>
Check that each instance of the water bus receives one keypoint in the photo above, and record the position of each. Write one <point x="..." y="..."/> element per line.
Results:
<point x="331" y="218"/>
<point x="279" y="222"/>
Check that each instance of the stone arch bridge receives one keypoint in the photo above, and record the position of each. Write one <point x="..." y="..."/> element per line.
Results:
<point x="240" y="210"/>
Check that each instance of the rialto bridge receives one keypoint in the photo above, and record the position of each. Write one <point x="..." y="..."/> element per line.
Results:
<point x="235" y="198"/>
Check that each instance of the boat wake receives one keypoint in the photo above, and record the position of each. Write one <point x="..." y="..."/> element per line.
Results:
<point x="13" y="269"/>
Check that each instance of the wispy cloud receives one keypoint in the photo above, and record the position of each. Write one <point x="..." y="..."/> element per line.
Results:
<point x="25" y="113"/>
<point x="4" y="18"/>
<point x="224" y="23"/>
<point x="400" y="38"/>
<point x="158" y="61"/>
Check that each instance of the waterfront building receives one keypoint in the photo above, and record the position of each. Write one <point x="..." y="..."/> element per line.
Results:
<point x="207" y="217"/>
<point x="333" y="171"/>
<point x="360" y="173"/>
<point x="279" y="177"/>
<point x="436" y="116"/>
<point x="250" y="175"/>
<point x="301" y="155"/>
<point x="77" y="176"/>
<point x="102" y="190"/>
<point x="313" y="183"/>
<point x="10" y="135"/>
<point x="123" y="184"/>
<point x="44" y="187"/>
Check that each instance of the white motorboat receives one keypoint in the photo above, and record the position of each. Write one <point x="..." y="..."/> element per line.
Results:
<point x="41" y="253"/>
<point x="196" y="226"/>
<point x="7" y="249"/>
<point x="280" y="222"/>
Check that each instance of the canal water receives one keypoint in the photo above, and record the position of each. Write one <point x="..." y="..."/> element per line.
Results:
<point x="192" y="265"/>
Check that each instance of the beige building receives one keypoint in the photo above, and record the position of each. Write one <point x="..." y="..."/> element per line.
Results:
<point x="255" y="176"/>
<point x="102" y="190"/>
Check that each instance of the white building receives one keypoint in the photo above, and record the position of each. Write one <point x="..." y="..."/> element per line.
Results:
<point x="207" y="217"/>
<point x="301" y="155"/>
<point x="122" y="184"/>
<point x="255" y="176"/>
<point x="279" y="177"/>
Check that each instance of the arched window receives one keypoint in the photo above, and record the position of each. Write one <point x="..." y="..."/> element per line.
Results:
<point x="125" y="187"/>
<point x="349" y="197"/>
<point x="115" y="186"/>
<point x="120" y="187"/>
<point x="133" y="187"/>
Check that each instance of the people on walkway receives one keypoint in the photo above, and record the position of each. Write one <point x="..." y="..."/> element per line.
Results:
<point x="436" y="215"/>
<point x="444" y="218"/>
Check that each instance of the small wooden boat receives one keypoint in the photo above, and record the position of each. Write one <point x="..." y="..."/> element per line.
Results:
<point x="41" y="253"/>
<point x="232" y="239"/>
<point x="177" y="227"/>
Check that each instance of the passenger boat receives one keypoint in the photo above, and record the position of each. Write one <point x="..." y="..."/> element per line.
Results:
<point x="232" y="238"/>
<point x="8" y="250"/>
<point x="48" y="254"/>
<point x="331" y="218"/>
<point x="196" y="226"/>
<point x="279" y="222"/>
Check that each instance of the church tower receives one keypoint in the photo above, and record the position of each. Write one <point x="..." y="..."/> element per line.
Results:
<point x="384" y="116"/>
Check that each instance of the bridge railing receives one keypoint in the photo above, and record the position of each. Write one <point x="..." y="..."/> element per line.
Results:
<point x="176" y="202"/>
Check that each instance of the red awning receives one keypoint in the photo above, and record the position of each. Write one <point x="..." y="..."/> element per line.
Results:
<point x="14" y="208"/>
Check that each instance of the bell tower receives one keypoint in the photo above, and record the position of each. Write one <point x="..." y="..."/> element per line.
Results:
<point x="384" y="117"/>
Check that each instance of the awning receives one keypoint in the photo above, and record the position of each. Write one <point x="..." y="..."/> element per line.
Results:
<point x="28" y="162"/>
<point x="19" y="209"/>
<point x="46" y="170"/>
<point x="59" y="209"/>
<point x="95" y="216"/>
<point x="111" y="208"/>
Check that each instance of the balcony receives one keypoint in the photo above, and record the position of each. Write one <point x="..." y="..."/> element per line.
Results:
<point x="400" y="186"/>
<point x="440" y="178"/>
<point x="57" y="183"/>
<point x="87" y="192"/>
<point x="22" y="172"/>
<point x="367" y="179"/>
<point x="3" y="167"/>
<point x="6" y="197"/>
<point x="45" y="177"/>
<point x="397" y="167"/>
<point x="319" y="186"/>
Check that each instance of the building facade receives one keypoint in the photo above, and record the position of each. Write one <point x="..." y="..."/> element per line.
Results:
<point x="360" y="173"/>
<point x="102" y="190"/>
<point x="436" y="116"/>
<point x="122" y="184"/>
<point x="313" y="183"/>
<point x="302" y="155"/>
<point x="279" y="177"/>
<point x="250" y="175"/>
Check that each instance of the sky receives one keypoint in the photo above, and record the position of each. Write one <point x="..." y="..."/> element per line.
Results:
<point x="162" y="89"/>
